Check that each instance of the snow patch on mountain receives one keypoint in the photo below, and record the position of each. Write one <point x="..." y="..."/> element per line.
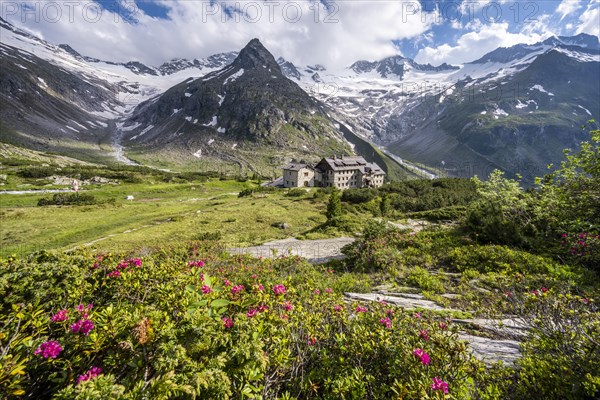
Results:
<point x="234" y="76"/>
<point x="131" y="127"/>
<point x="143" y="132"/>
<point x="213" y="122"/>
<point x="585" y="109"/>
<point x="43" y="83"/>
<point x="79" y="125"/>
<point x="540" y="88"/>
<point x="498" y="112"/>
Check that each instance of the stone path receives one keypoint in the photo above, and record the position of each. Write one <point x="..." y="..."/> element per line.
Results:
<point x="36" y="191"/>
<point x="315" y="251"/>
<point x="485" y="349"/>
<point x="404" y="300"/>
<point x="492" y="350"/>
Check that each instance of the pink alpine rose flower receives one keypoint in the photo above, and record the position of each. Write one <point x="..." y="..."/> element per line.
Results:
<point x="386" y="322"/>
<point x="206" y="289"/>
<point x="279" y="289"/>
<point x="84" y="326"/>
<point x="91" y="374"/>
<point x="49" y="349"/>
<point x="236" y="289"/>
<point x="439" y="384"/>
<point x="60" y="316"/>
<point x="423" y="356"/>
<point x="228" y="322"/>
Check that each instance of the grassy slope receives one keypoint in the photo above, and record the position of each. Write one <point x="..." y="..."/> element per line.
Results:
<point x="160" y="213"/>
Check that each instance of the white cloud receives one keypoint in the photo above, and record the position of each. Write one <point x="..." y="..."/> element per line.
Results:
<point x="484" y="38"/>
<point x="363" y="30"/>
<point x="567" y="7"/>
<point x="589" y="20"/>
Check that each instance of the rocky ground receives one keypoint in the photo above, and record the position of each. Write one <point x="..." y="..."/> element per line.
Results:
<point x="315" y="251"/>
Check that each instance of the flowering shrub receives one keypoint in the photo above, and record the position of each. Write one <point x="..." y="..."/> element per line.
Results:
<point x="424" y="357"/>
<point x="60" y="316"/>
<point x="91" y="374"/>
<point x="158" y="332"/>
<point x="439" y="384"/>
<point x="49" y="349"/>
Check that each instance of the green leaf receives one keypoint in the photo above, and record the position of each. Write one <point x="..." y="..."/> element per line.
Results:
<point x="219" y="303"/>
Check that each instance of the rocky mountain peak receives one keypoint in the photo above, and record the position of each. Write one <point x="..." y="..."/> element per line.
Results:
<point x="255" y="55"/>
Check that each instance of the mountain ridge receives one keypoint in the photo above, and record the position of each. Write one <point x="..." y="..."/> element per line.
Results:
<point x="392" y="102"/>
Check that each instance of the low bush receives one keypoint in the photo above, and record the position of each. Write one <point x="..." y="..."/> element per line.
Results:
<point x="68" y="199"/>
<point x="494" y="258"/>
<point x="452" y="213"/>
<point x="209" y="236"/>
<point x="172" y="325"/>
<point x="36" y="172"/>
<point x="298" y="192"/>
<point x="422" y="278"/>
<point x="358" y="196"/>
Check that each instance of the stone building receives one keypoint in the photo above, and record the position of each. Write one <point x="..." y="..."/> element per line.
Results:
<point x="342" y="172"/>
<point x="298" y="175"/>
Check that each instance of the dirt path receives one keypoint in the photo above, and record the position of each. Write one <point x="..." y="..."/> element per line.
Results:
<point x="315" y="251"/>
<point x="38" y="191"/>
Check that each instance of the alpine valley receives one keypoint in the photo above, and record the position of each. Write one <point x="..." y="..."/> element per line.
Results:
<point x="514" y="109"/>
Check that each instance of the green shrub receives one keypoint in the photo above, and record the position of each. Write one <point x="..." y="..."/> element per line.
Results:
<point x="358" y="196"/>
<point x="246" y="192"/>
<point x="209" y="236"/>
<point x="561" y="356"/>
<point x="36" y="172"/>
<point x="68" y="199"/>
<point x="494" y="258"/>
<point x="422" y="278"/>
<point x="298" y="192"/>
<point x="334" y="207"/>
<point x="452" y="213"/>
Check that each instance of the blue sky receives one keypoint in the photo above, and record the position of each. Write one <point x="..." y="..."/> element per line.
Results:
<point x="329" y="32"/>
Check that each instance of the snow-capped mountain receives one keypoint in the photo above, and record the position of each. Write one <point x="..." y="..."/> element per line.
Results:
<point x="490" y="111"/>
<point x="247" y="112"/>
<point x="398" y="103"/>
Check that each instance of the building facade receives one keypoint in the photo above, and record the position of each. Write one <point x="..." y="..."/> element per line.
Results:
<point x="298" y="175"/>
<point x="343" y="172"/>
